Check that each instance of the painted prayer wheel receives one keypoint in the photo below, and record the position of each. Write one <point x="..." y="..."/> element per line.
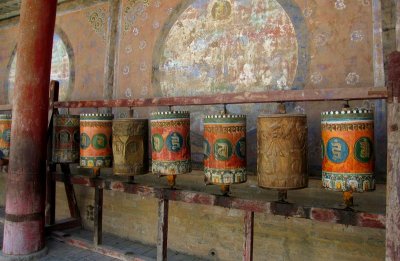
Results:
<point x="96" y="151"/>
<point x="66" y="138"/>
<point x="225" y="149"/>
<point x="170" y="142"/>
<point x="347" y="150"/>
<point x="282" y="151"/>
<point x="5" y="134"/>
<point x="130" y="146"/>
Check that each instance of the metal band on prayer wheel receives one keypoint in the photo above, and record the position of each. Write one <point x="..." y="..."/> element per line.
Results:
<point x="5" y="134"/>
<point x="225" y="149"/>
<point x="282" y="151"/>
<point x="66" y="138"/>
<point x="130" y="146"/>
<point x="95" y="137"/>
<point x="170" y="141"/>
<point x="347" y="150"/>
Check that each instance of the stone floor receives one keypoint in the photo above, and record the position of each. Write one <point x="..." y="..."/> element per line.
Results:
<point x="59" y="251"/>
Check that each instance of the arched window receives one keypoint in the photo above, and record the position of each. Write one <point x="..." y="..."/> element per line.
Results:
<point x="60" y="70"/>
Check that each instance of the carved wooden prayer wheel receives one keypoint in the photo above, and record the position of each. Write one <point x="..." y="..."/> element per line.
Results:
<point x="170" y="142"/>
<point x="95" y="143"/>
<point x="282" y="151"/>
<point x="5" y="134"/>
<point x="225" y="149"/>
<point x="347" y="150"/>
<point x="66" y="138"/>
<point x="130" y="146"/>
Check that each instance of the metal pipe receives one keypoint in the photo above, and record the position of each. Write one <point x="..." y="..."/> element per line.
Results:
<point x="25" y="196"/>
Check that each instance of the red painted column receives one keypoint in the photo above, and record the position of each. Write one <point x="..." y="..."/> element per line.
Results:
<point x="25" y="196"/>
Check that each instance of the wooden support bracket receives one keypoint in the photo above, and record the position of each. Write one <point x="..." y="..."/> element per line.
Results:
<point x="98" y="216"/>
<point x="248" y="236"/>
<point x="162" y="236"/>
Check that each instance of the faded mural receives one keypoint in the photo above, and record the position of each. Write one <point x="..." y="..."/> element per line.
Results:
<point x="199" y="47"/>
<point x="229" y="46"/>
<point x="60" y="70"/>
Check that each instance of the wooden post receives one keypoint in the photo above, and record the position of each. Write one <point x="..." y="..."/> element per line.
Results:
<point x="26" y="179"/>
<point x="111" y="48"/>
<point x="50" y="212"/>
<point x="248" y="236"/>
<point x="98" y="216"/>
<point x="393" y="172"/>
<point x="162" y="236"/>
<point x="398" y="25"/>
<point x="70" y="192"/>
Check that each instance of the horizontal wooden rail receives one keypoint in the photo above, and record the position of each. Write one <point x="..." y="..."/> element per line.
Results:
<point x="336" y="94"/>
<point x="239" y="98"/>
<point x="5" y="107"/>
<point x="331" y="215"/>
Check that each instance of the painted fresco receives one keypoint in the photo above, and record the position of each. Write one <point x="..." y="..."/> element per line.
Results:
<point x="60" y="70"/>
<point x="222" y="46"/>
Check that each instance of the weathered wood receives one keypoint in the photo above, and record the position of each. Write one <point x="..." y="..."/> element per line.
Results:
<point x="5" y="107"/>
<point x="398" y="25"/>
<point x="50" y="212"/>
<point x="104" y="250"/>
<point x="98" y="216"/>
<point x="393" y="175"/>
<point x="237" y="98"/>
<point x="285" y="170"/>
<point x="377" y="47"/>
<point x="64" y="224"/>
<point x="248" y="236"/>
<point x="162" y="236"/>
<point x="70" y="192"/>
<point x="26" y="187"/>
<point x="111" y="47"/>
<point x="331" y="215"/>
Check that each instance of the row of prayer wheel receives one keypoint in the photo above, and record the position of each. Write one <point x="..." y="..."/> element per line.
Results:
<point x="96" y="141"/>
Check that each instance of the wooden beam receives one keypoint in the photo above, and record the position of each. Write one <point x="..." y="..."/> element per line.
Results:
<point x="397" y="25"/>
<point x="6" y="107"/>
<point x="393" y="175"/>
<point x="331" y="215"/>
<point x="50" y="212"/>
<point x="98" y="216"/>
<point x="111" y="47"/>
<point x="68" y="223"/>
<point x="377" y="46"/>
<point x="238" y="98"/>
<point x="248" y="236"/>
<point x="162" y="236"/>
<point x="70" y="192"/>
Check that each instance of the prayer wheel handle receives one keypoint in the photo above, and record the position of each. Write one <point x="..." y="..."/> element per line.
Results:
<point x="346" y="105"/>
<point x="281" y="109"/>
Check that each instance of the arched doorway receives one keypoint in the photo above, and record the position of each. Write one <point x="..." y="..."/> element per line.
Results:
<point x="61" y="68"/>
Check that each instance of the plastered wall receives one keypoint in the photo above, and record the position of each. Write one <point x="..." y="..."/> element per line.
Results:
<point x="332" y="47"/>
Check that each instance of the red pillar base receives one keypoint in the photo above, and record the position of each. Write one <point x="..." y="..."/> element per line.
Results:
<point x="30" y="257"/>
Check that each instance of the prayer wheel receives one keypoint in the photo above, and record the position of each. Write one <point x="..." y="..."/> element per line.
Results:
<point x="225" y="149"/>
<point x="170" y="142"/>
<point x="282" y="151"/>
<point x="130" y="146"/>
<point x="66" y="138"/>
<point x="347" y="150"/>
<point x="5" y="134"/>
<point x="96" y="151"/>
